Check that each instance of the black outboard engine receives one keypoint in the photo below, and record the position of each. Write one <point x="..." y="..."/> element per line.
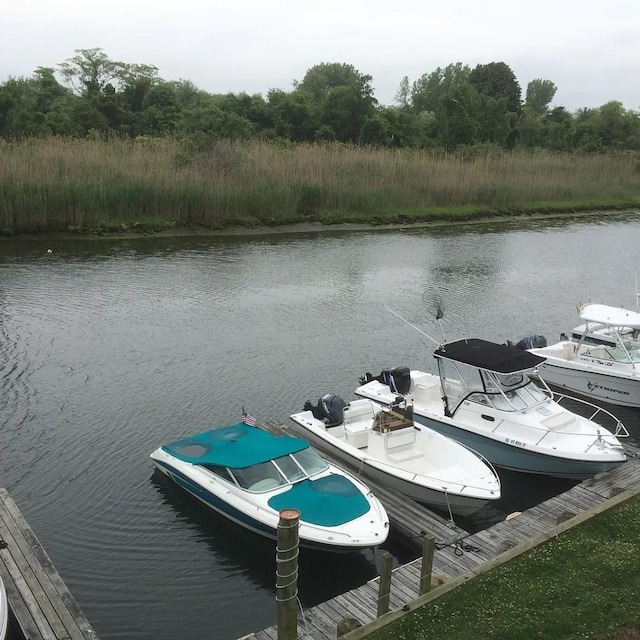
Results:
<point x="532" y="341"/>
<point x="397" y="379"/>
<point x="329" y="409"/>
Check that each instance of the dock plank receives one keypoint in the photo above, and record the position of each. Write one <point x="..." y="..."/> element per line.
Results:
<point x="43" y="606"/>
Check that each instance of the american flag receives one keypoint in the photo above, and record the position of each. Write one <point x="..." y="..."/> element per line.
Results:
<point x="247" y="419"/>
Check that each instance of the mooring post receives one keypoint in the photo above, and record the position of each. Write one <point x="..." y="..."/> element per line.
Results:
<point x="384" y="593"/>
<point x="428" y="546"/>
<point x="287" y="574"/>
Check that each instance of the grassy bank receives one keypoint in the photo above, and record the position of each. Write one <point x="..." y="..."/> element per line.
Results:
<point x="59" y="184"/>
<point x="583" y="584"/>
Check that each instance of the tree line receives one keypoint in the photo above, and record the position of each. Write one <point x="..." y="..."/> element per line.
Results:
<point x="449" y="108"/>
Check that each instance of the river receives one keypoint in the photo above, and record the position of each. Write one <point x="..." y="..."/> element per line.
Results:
<point x="112" y="347"/>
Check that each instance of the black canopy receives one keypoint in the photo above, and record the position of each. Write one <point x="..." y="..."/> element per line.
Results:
<point x="500" y="358"/>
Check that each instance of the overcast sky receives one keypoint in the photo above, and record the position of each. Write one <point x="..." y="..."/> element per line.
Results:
<point x="589" y="49"/>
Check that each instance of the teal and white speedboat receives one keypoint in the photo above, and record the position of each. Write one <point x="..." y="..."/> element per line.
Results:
<point x="484" y="397"/>
<point x="250" y="476"/>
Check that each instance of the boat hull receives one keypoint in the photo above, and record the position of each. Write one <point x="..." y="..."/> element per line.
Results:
<point x="514" y="457"/>
<point x="598" y="385"/>
<point x="451" y="504"/>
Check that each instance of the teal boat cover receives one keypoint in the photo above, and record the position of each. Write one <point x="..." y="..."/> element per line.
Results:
<point x="328" y="501"/>
<point x="236" y="446"/>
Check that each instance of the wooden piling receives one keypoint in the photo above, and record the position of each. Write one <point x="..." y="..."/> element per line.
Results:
<point x="428" y="547"/>
<point x="384" y="591"/>
<point x="287" y="574"/>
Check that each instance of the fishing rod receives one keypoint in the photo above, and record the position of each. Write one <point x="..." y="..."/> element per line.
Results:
<point x="413" y="325"/>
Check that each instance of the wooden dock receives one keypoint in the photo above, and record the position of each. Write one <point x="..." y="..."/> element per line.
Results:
<point x="474" y="552"/>
<point x="42" y="605"/>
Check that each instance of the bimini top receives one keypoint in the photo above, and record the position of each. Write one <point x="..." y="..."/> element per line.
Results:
<point x="611" y="316"/>
<point x="499" y="358"/>
<point x="236" y="446"/>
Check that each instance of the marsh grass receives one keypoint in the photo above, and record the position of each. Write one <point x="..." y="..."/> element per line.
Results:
<point x="58" y="184"/>
<point x="583" y="584"/>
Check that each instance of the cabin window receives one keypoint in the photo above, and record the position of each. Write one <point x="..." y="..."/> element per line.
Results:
<point x="222" y="472"/>
<point x="510" y="379"/>
<point x="480" y="398"/>
<point x="256" y="475"/>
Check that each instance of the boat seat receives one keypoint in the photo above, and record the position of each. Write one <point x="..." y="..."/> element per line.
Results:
<point x="559" y="421"/>
<point x="357" y="433"/>
<point x="357" y="412"/>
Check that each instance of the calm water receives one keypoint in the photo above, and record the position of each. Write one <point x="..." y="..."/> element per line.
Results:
<point x="111" y="348"/>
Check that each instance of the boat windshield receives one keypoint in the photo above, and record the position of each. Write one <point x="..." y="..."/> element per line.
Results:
<point x="515" y="400"/>
<point x="514" y="391"/>
<point x="280" y="471"/>
<point x="630" y="352"/>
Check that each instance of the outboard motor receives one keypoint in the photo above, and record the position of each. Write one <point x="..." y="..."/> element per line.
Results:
<point x="397" y="379"/>
<point x="329" y="409"/>
<point x="532" y="341"/>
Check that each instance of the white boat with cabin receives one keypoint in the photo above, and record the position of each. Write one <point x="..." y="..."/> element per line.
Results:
<point x="485" y="398"/>
<point x="602" y="362"/>
<point x="384" y="443"/>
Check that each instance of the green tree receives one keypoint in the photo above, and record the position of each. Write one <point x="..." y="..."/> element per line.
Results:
<point x="559" y="127"/>
<point x="292" y="115"/>
<point x="160" y="110"/>
<point x="345" y="112"/>
<point x="250" y="107"/>
<point x="90" y="70"/>
<point x="208" y="117"/>
<point x="36" y="106"/>
<point x="428" y="90"/>
<point x="321" y="79"/>
<point x="407" y="129"/>
<point x="530" y="129"/>
<point x="457" y="117"/>
<point x="375" y="131"/>
<point x="539" y="95"/>
<point x="497" y="80"/>
<point x="403" y="95"/>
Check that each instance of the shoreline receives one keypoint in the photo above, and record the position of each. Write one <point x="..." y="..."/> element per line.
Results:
<point x="307" y="227"/>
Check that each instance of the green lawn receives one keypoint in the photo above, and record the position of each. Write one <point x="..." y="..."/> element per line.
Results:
<point x="582" y="584"/>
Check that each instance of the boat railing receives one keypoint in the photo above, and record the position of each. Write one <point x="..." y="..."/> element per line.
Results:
<point x="620" y="431"/>
<point x="485" y="460"/>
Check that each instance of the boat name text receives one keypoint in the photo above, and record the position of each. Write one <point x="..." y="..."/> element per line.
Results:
<point x="592" y="386"/>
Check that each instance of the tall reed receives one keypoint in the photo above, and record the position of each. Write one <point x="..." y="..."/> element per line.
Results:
<point x="57" y="184"/>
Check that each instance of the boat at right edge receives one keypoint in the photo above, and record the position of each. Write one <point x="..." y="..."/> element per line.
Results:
<point x="601" y="361"/>
<point x="485" y="398"/>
